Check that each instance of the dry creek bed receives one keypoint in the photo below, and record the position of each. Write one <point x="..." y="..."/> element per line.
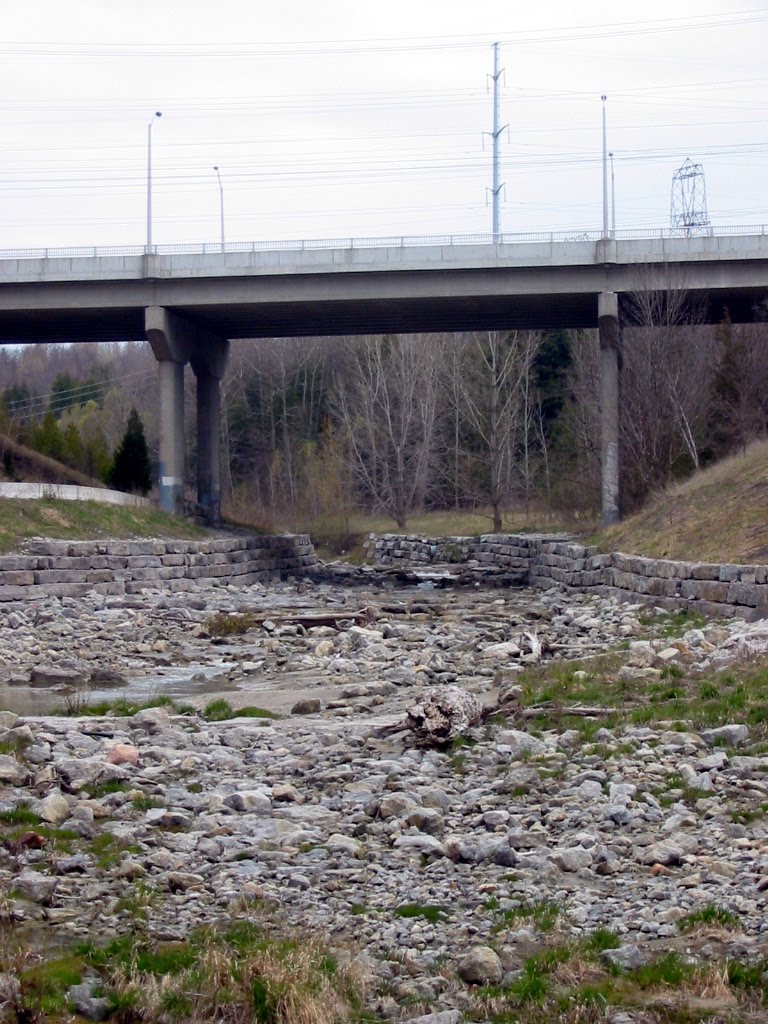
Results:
<point x="316" y="818"/>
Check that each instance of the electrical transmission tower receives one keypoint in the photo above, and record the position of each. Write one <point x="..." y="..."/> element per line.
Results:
<point x="688" y="211"/>
<point x="496" y="188"/>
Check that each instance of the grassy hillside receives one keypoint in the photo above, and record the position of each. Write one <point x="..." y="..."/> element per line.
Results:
<point x="87" y="520"/>
<point x="719" y="515"/>
<point x="29" y="464"/>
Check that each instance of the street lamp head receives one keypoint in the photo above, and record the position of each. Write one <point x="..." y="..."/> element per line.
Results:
<point x="158" y="113"/>
<point x="603" y="98"/>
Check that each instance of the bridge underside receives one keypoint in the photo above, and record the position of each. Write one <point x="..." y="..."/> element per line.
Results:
<point x="77" y="313"/>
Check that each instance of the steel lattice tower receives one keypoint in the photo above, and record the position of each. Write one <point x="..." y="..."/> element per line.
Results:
<point x="688" y="211"/>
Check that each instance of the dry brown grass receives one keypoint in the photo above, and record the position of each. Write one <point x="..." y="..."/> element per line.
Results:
<point x="278" y="983"/>
<point x="719" y="515"/>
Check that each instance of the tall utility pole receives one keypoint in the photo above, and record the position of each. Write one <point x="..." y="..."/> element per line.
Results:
<point x="221" y="206"/>
<point x="495" y="134"/>
<point x="157" y="113"/>
<point x="613" y="198"/>
<point x="606" y="233"/>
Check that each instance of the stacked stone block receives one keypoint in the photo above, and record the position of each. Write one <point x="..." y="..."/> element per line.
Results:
<point x="73" y="568"/>
<point x="545" y="561"/>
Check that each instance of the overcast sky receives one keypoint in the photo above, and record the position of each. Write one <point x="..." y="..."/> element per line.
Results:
<point x="349" y="117"/>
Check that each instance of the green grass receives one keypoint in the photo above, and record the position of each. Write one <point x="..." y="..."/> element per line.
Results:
<point x="669" y="970"/>
<point x="85" y="520"/>
<point x="671" y="624"/>
<point x="542" y="913"/>
<point x="429" y="912"/>
<point x="600" y="940"/>
<point x="711" y="914"/>
<point x="751" y="977"/>
<point x="221" y="710"/>
<point x="20" y="815"/>
<point x="119" y="708"/>
<point x="697" y="701"/>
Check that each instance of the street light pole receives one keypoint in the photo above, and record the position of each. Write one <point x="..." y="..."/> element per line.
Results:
<point x="613" y="199"/>
<point x="157" y="113"/>
<point x="605" y="172"/>
<point x="221" y="206"/>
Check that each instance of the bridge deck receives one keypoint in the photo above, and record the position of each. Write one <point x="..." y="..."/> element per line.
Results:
<point x="379" y="288"/>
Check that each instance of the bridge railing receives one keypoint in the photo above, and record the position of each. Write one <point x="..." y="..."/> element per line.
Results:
<point x="388" y="241"/>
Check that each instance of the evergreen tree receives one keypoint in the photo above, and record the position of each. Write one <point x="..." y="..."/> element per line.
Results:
<point x="63" y="393"/>
<point x="47" y="437"/>
<point x="131" y="470"/>
<point x="72" y="446"/>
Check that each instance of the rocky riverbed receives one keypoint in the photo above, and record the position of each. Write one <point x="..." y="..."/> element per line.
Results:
<point x="437" y="869"/>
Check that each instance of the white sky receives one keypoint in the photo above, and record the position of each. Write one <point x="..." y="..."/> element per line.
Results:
<point x="346" y="117"/>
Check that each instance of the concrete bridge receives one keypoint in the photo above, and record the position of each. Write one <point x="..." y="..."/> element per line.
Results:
<point x="189" y="302"/>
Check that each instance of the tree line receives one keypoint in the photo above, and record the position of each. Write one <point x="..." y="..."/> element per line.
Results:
<point x="398" y="423"/>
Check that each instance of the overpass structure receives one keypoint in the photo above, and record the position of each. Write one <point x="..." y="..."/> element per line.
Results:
<point x="189" y="302"/>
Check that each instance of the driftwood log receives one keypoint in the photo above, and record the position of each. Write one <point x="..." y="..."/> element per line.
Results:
<point x="449" y="712"/>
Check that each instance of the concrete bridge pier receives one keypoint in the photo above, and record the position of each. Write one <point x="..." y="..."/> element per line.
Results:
<point x="176" y="342"/>
<point x="171" y="348"/>
<point x="610" y="405"/>
<point x="209" y="362"/>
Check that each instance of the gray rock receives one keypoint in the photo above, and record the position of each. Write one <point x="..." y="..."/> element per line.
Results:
<point x="34" y="886"/>
<point x="628" y="957"/>
<point x="443" y="1017"/>
<point x="575" y="858"/>
<point x="308" y="706"/>
<point x="665" y="852"/>
<point x="12" y="771"/>
<point x="43" y="675"/>
<point x="727" y="735"/>
<point x="152" y="720"/>
<point x="252" y="801"/>
<point x="82" y="1000"/>
<point x="481" y="965"/>
<point x="54" y="808"/>
<point x="519" y="743"/>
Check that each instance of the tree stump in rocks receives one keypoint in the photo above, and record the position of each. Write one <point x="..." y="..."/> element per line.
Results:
<point x="443" y="715"/>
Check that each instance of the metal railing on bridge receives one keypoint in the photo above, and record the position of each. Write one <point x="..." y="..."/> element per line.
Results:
<point x="388" y="241"/>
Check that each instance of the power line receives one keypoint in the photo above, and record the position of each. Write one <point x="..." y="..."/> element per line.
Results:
<point x="36" y="403"/>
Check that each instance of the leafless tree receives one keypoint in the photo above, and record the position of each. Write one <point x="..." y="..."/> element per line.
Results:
<point x="491" y="385"/>
<point x="668" y="364"/>
<point x="387" y="407"/>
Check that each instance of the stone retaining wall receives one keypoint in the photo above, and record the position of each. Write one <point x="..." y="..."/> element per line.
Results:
<point x="73" y="568"/>
<point x="541" y="560"/>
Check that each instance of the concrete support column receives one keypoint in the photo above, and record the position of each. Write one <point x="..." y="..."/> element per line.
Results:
<point x="610" y="405"/>
<point x="175" y="342"/>
<point x="170" y="345"/>
<point x="209" y="363"/>
<point x="171" y="475"/>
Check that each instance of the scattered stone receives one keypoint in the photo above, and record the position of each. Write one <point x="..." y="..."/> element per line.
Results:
<point x="123" y="753"/>
<point x="628" y="957"/>
<point x="309" y="706"/>
<point x="728" y="735"/>
<point x="84" y="1002"/>
<point x="54" y="808"/>
<point x="481" y="965"/>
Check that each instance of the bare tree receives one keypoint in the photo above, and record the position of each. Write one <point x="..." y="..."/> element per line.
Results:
<point x="666" y="384"/>
<point x="387" y="407"/>
<point x="491" y="386"/>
